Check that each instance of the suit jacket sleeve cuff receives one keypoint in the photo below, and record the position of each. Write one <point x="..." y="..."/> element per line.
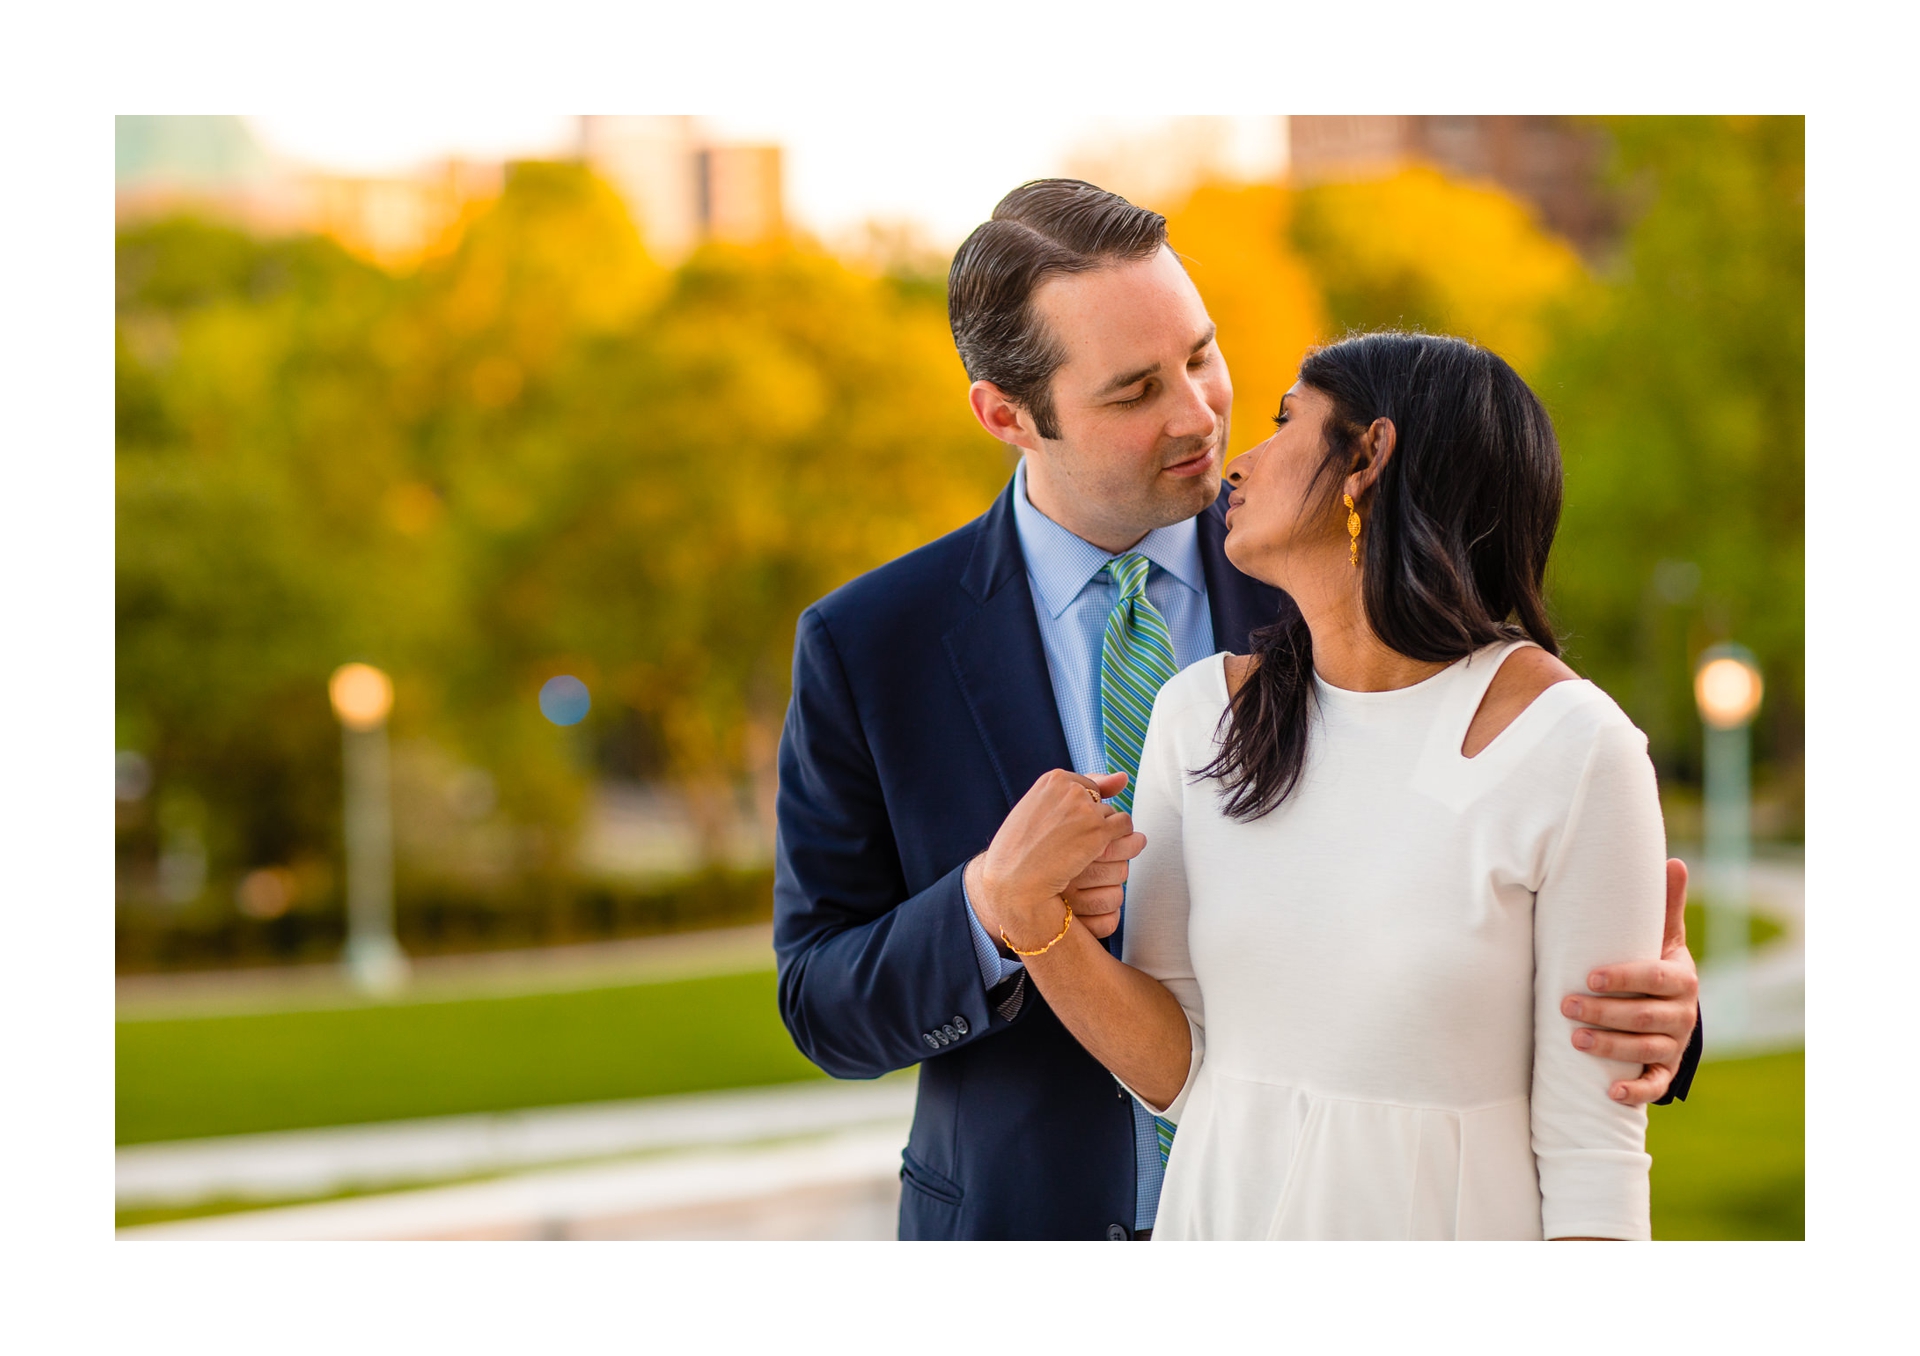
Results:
<point x="1683" y="1076"/>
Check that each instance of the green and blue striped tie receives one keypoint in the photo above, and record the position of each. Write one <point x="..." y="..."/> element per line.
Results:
<point x="1136" y="659"/>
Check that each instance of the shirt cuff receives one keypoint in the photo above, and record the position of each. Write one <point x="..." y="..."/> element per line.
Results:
<point x="994" y="967"/>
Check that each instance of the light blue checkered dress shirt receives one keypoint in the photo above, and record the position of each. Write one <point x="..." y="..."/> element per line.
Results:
<point x="1072" y="607"/>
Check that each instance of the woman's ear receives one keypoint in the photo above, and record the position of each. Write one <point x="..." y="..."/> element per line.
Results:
<point x="1370" y="458"/>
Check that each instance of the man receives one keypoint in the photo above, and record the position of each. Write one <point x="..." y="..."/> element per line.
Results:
<point x="936" y="698"/>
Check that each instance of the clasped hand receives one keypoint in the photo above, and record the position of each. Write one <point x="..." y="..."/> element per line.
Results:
<point x="1060" y="844"/>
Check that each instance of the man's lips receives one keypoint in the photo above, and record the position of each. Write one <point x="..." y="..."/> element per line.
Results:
<point x="1192" y="466"/>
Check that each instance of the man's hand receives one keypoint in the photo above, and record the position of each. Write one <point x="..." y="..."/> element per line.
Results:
<point x="1651" y="1028"/>
<point x="1056" y="832"/>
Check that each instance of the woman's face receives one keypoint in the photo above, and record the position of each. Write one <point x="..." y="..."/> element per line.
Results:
<point x="1279" y="524"/>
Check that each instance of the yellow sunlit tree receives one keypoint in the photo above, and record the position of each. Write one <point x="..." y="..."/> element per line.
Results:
<point x="1420" y="250"/>
<point x="1235" y="240"/>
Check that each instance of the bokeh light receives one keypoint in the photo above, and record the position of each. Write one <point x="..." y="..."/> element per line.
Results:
<point x="361" y="695"/>
<point x="132" y="776"/>
<point x="1728" y="690"/>
<point x="564" y="700"/>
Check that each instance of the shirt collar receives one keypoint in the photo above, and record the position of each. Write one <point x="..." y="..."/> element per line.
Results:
<point x="1062" y="563"/>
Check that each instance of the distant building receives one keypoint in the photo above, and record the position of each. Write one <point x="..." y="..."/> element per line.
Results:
<point x="1551" y="162"/>
<point x="214" y="165"/>
<point x="1159" y="162"/>
<point x="399" y="220"/>
<point x="167" y="164"/>
<point x="682" y="185"/>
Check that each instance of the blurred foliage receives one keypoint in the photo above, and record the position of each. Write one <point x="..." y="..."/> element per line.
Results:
<point x="1235" y="242"/>
<point x="1679" y="392"/>
<point x="445" y="917"/>
<point x="541" y="452"/>
<point x="1417" y="250"/>
<point x="538" y="454"/>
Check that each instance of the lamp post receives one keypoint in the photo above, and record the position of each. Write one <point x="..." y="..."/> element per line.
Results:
<point x="1727" y="688"/>
<point x="362" y="696"/>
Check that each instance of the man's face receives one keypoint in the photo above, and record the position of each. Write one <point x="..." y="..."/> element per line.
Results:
<point x="1141" y="403"/>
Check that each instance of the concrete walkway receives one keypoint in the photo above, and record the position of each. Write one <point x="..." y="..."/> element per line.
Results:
<point x="371" y="1157"/>
<point x="838" y="1185"/>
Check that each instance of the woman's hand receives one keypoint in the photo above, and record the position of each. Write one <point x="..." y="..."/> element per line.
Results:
<point x="1059" y="829"/>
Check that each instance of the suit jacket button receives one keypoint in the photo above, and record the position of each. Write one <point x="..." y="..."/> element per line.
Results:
<point x="1116" y="1233"/>
<point x="949" y="1032"/>
<point x="960" y="1024"/>
<point x="932" y="1040"/>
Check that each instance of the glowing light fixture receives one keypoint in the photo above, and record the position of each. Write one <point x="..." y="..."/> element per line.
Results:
<point x="1728" y="689"/>
<point x="361" y="695"/>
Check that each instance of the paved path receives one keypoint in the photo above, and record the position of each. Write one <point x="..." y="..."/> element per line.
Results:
<point x="309" y="1163"/>
<point x="841" y="1185"/>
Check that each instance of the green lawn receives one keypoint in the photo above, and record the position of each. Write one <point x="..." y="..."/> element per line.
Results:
<point x="185" y="1077"/>
<point x="1730" y="1161"/>
<point x="1761" y="929"/>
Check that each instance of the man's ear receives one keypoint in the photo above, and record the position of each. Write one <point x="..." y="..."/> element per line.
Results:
<point x="1374" y="450"/>
<point x="1000" y="416"/>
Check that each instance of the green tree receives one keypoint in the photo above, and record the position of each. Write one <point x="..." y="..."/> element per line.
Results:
<point x="243" y="423"/>
<point x="537" y="453"/>
<point x="1679" y="393"/>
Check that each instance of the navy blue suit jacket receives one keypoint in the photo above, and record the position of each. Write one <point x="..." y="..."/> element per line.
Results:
<point x="921" y="712"/>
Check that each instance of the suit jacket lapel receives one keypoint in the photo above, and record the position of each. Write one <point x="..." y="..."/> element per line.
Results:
<point x="1000" y="662"/>
<point x="1238" y="604"/>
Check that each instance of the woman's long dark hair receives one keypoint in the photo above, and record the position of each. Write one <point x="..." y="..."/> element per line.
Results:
<point x="1458" y="526"/>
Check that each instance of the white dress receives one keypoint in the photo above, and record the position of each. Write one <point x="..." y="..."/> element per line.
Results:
<point x="1373" y="971"/>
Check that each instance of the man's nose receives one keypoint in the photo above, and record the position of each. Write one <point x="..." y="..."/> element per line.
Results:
<point x="1191" y="416"/>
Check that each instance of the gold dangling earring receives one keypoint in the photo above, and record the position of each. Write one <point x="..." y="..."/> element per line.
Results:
<point x="1353" y="531"/>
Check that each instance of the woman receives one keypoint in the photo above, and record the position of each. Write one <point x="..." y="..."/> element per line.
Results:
<point x="1407" y="806"/>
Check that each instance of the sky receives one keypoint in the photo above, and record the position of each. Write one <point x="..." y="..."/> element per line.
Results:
<point x="939" y="172"/>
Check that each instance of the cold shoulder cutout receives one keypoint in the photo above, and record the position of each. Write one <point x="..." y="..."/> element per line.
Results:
<point x="1525" y="672"/>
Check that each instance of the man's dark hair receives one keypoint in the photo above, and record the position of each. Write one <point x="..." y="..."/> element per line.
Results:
<point x="1454" y="555"/>
<point x="1041" y="229"/>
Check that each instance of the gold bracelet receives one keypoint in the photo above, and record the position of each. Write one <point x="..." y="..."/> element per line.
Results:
<point x="1043" y="950"/>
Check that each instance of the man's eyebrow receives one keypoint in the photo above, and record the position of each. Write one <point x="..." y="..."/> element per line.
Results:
<point x="1121" y="383"/>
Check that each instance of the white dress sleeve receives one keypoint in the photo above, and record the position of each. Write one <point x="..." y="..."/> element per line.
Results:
<point x="1601" y="901"/>
<point x="1157" y="901"/>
